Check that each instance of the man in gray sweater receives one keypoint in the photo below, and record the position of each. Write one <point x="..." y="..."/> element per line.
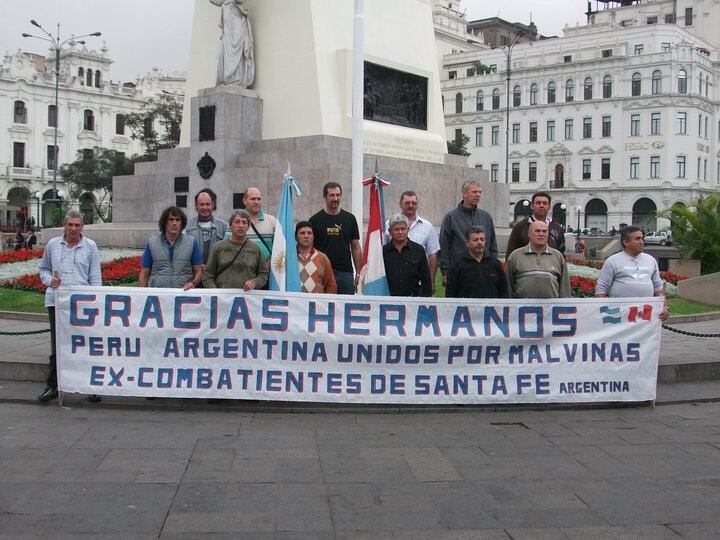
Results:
<point x="456" y="223"/>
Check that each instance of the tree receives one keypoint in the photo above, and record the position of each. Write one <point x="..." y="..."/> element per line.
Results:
<point x="483" y="69"/>
<point x="94" y="174"/>
<point x="458" y="146"/>
<point x="164" y="110"/>
<point x="697" y="231"/>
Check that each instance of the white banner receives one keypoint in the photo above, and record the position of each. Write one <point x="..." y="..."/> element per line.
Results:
<point x="215" y="343"/>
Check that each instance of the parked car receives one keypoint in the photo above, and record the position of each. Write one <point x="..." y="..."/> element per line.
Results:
<point x="595" y="231"/>
<point x="658" y="237"/>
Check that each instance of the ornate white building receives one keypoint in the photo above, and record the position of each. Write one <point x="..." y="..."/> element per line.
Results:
<point x="90" y="115"/>
<point x="616" y="119"/>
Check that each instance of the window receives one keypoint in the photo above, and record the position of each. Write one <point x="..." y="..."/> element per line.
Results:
<point x="586" y="169"/>
<point x="569" y="90"/>
<point x="88" y="120"/>
<point x="515" y="172"/>
<point x="705" y="170"/>
<point x="550" y="132"/>
<point x="20" y="113"/>
<point x="495" y="99"/>
<point x="655" y="123"/>
<point x="706" y="127"/>
<point x="516" y="95"/>
<point x="654" y="166"/>
<point x="452" y="74"/>
<point x="458" y="134"/>
<point x="698" y="169"/>
<point x="470" y="72"/>
<point x="568" y="128"/>
<point x="605" y="169"/>
<point x="607" y="53"/>
<point x="587" y="128"/>
<point x="635" y="88"/>
<point x="682" y="82"/>
<point x="18" y="154"/>
<point x="669" y="18"/>
<point x="479" y="101"/>
<point x="699" y="125"/>
<point x="516" y="133"/>
<point x="588" y="88"/>
<point x="119" y="124"/>
<point x="495" y="136"/>
<point x="494" y="172"/>
<point x="656" y="82"/>
<point x="665" y="46"/>
<point x="532" y="171"/>
<point x="148" y="128"/>
<point x="533" y="131"/>
<point x="52" y="116"/>
<point x="551" y="92"/>
<point x="51" y="154"/>
<point x="533" y="94"/>
<point x="700" y="84"/>
<point x="652" y="20"/>
<point x="681" y="123"/>
<point x="88" y="77"/>
<point x="680" y="162"/>
<point x="478" y="136"/>
<point x="567" y="58"/>
<point x="634" y="125"/>
<point x="688" y="16"/>
<point x="458" y="103"/>
<point x="81" y="76"/>
<point x="606" y="126"/>
<point x="97" y="78"/>
<point x="634" y="167"/>
<point x="639" y="49"/>
<point x="607" y="86"/>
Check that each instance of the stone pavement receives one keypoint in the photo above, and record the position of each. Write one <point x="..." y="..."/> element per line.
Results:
<point x="613" y="473"/>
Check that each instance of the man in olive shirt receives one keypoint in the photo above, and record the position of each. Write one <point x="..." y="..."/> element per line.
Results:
<point x="537" y="270"/>
<point x="236" y="263"/>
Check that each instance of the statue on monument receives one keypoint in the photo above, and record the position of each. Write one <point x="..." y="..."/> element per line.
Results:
<point x="236" y="59"/>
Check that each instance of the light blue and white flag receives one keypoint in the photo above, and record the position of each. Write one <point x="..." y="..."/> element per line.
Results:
<point x="284" y="269"/>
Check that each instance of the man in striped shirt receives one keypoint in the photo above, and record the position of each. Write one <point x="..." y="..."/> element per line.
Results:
<point x="537" y="270"/>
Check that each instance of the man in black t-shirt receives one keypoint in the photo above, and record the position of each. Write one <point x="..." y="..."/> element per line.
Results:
<point x="337" y="235"/>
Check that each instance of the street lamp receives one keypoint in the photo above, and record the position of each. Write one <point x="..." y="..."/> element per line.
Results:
<point x="579" y="209"/>
<point x="508" y="54"/>
<point x="57" y="45"/>
<point x="37" y="198"/>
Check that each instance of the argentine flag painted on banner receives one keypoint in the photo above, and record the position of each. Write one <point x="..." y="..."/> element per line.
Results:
<point x="373" y="280"/>
<point x="284" y="269"/>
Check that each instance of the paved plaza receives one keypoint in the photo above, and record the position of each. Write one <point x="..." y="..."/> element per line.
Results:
<point x="604" y="473"/>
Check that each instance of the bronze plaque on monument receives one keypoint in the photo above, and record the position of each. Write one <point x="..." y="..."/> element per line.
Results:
<point x="395" y="97"/>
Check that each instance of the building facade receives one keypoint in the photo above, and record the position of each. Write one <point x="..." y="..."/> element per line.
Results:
<point x="617" y="119"/>
<point x="90" y="114"/>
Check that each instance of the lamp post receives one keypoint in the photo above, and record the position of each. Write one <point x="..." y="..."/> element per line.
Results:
<point x="56" y="45"/>
<point x="37" y="199"/>
<point x="508" y="54"/>
<point x="578" y="208"/>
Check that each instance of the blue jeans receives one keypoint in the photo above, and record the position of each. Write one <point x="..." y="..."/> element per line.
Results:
<point x="345" y="282"/>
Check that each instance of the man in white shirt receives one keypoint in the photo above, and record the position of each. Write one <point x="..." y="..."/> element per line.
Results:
<point x="631" y="273"/>
<point x="421" y="231"/>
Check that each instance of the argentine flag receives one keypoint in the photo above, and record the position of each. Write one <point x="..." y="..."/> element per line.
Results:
<point x="372" y="277"/>
<point x="284" y="269"/>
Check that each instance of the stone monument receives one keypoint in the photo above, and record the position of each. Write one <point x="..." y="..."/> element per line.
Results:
<point x="299" y="113"/>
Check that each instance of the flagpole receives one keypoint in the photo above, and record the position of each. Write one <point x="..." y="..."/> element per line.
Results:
<point x="356" y="188"/>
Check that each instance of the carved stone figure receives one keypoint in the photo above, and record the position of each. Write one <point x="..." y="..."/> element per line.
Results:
<point x="236" y="59"/>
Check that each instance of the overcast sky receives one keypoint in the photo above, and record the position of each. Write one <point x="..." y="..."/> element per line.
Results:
<point x="142" y="34"/>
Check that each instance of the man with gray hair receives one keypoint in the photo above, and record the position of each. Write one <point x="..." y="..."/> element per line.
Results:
<point x="406" y="266"/>
<point x="420" y="230"/>
<point x="456" y="223"/>
<point x="70" y="259"/>
<point x="236" y="263"/>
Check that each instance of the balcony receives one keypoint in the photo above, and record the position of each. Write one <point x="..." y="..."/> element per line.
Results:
<point x="20" y="172"/>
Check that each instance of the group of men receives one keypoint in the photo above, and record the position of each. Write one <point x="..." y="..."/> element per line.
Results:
<point x="205" y="251"/>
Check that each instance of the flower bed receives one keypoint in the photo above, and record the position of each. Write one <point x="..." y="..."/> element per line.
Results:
<point x="20" y="255"/>
<point x="117" y="272"/>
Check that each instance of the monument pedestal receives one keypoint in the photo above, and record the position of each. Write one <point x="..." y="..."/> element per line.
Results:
<point x="242" y="159"/>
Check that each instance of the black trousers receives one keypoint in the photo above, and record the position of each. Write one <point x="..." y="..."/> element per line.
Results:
<point x="52" y="364"/>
